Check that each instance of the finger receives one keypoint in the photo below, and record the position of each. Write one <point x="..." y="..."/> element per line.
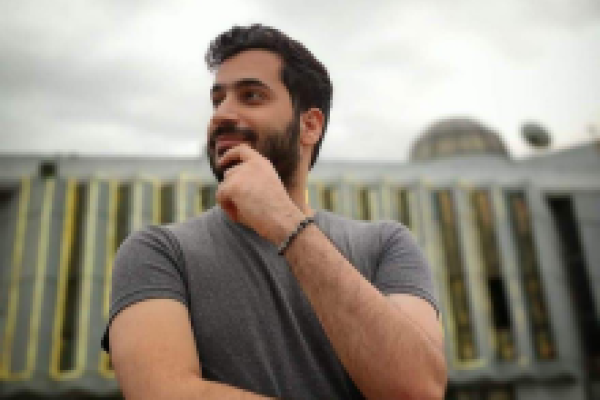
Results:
<point x="231" y="169"/>
<point x="240" y="153"/>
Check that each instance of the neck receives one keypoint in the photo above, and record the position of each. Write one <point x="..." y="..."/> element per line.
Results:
<point x="297" y="190"/>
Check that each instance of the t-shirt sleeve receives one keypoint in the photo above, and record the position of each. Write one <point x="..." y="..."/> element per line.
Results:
<point x="148" y="265"/>
<point x="402" y="266"/>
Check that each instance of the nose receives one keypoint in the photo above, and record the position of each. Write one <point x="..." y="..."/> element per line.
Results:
<point x="226" y="113"/>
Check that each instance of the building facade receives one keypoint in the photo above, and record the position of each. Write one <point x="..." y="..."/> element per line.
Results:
<point x="514" y="246"/>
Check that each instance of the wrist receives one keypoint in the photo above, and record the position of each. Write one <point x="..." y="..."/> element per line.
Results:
<point x="290" y="238"/>
<point x="285" y="224"/>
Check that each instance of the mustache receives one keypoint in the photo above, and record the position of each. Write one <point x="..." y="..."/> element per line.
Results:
<point x="246" y="133"/>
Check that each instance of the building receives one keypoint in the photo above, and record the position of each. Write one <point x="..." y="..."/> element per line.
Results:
<point x="514" y="245"/>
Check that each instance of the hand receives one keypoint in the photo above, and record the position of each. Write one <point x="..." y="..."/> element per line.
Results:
<point x="252" y="194"/>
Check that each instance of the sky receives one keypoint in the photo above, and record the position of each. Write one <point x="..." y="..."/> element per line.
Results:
<point x="128" y="77"/>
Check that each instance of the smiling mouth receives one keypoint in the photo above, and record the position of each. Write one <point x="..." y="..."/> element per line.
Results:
<point x="226" y="142"/>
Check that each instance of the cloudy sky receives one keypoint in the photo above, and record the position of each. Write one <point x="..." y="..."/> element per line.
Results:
<point x="127" y="77"/>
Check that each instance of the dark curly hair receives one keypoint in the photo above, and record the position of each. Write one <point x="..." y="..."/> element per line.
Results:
<point x="305" y="78"/>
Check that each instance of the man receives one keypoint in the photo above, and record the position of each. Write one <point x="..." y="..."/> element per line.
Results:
<point x="254" y="298"/>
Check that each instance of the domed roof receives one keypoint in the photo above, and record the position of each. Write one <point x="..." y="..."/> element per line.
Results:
<point x="457" y="137"/>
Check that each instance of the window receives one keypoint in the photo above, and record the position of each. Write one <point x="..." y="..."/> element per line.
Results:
<point x="364" y="204"/>
<point x="124" y="210"/>
<point x="167" y="203"/>
<point x="73" y="274"/>
<point x="8" y="210"/>
<point x="329" y="198"/>
<point x="207" y="197"/>
<point x="502" y="329"/>
<point x="528" y="265"/>
<point x="401" y="205"/>
<point x="576" y="270"/>
<point x="446" y="145"/>
<point x="13" y="346"/>
<point x="459" y="304"/>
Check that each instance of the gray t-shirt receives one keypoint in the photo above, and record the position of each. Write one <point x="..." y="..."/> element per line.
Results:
<point x="253" y="325"/>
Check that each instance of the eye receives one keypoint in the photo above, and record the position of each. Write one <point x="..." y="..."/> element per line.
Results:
<point x="216" y="99"/>
<point x="252" y="96"/>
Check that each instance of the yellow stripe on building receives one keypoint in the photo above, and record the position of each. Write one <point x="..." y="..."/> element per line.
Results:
<point x="63" y="276"/>
<point x="17" y="263"/>
<point x="40" y="275"/>
<point x="88" y="271"/>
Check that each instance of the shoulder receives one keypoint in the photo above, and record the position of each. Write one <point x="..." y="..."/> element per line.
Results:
<point x="152" y="238"/>
<point x="169" y="239"/>
<point x="376" y="232"/>
<point x="208" y="220"/>
<point x="366" y="244"/>
<point x="163" y="241"/>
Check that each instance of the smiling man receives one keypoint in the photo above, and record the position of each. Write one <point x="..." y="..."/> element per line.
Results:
<point x="261" y="295"/>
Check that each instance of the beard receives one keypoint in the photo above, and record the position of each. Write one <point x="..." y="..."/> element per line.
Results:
<point x="281" y="148"/>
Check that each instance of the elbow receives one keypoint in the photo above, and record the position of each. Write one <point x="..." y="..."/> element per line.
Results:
<point x="427" y="390"/>
<point x="430" y="384"/>
<point x="431" y="391"/>
<point x="434" y="388"/>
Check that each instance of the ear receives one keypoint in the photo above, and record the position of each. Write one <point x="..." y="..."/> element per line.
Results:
<point x="311" y="126"/>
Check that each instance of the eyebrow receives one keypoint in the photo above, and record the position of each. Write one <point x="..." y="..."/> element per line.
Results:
<point x="217" y="87"/>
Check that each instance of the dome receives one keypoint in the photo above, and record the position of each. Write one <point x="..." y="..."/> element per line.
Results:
<point x="453" y="137"/>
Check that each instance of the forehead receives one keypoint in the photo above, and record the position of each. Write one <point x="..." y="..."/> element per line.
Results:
<point x="255" y="64"/>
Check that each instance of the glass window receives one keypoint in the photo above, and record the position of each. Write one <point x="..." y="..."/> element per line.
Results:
<point x="329" y="198"/>
<point x="577" y="268"/>
<point x="123" y="213"/>
<point x="13" y="348"/>
<point x="207" y="197"/>
<point x="69" y="310"/>
<point x="167" y="203"/>
<point x="488" y="245"/>
<point x="459" y="304"/>
<point x="9" y="203"/>
<point x="528" y="265"/>
<point x="446" y="145"/>
<point x="401" y="205"/>
<point x="364" y="204"/>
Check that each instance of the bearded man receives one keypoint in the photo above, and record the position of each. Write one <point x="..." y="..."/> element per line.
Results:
<point x="261" y="295"/>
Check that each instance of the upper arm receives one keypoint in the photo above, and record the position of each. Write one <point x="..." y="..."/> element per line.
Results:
<point x="152" y="348"/>
<point x="402" y="268"/>
<point x="148" y="265"/>
<point x="149" y="334"/>
<point x="404" y="274"/>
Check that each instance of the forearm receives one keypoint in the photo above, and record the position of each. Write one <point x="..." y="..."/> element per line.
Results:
<point x="217" y="391"/>
<point x="386" y="355"/>
<point x="191" y="388"/>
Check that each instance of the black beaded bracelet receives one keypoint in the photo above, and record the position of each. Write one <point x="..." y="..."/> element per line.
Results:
<point x="303" y="224"/>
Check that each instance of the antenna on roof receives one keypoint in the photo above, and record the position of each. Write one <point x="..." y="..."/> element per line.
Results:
<point x="536" y="135"/>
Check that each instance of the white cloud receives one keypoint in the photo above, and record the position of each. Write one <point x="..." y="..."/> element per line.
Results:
<point x="128" y="77"/>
